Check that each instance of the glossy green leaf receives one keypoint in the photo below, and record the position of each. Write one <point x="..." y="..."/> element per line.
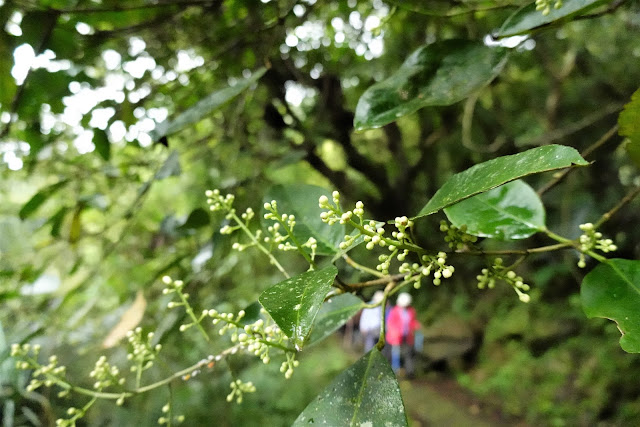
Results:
<point x="490" y="174"/>
<point x="366" y="394"/>
<point x="441" y="73"/>
<point x="204" y="107"/>
<point x="629" y="123"/>
<point x="333" y="314"/>
<point x="301" y="200"/>
<point x="294" y="303"/>
<point x="39" y="198"/>
<point x="511" y="211"/>
<point x="528" y="18"/>
<point x="101" y="141"/>
<point x="612" y="290"/>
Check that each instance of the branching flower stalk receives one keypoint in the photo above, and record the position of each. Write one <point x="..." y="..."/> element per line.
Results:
<point x="217" y="202"/>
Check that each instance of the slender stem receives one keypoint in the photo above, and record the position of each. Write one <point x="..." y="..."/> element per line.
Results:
<point x="259" y="245"/>
<point x="127" y="8"/>
<point x="540" y="249"/>
<point x="625" y="200"/>
<point x="376" y="282"/>
<point x="361" y="267"/>
<point x="192" y="315"/>
<point x="298" y="245"/>
<point x="590" y="149"/>
<point x="383" y="314"/>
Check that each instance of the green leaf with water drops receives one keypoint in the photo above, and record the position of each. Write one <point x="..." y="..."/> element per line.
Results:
<point x="509" y="212"/>
<point x="333" y="314"/>
<point x="528" y="18"/>
<point x="441" y="73"/>
<point x="294" y="303"/>
<point x="490" y="174"/>
<point x="612" y="290"/>
<point x="366" y="394"/>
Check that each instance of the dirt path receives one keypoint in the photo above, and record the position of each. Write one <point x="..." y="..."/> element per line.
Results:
<point x="443" y="403"/>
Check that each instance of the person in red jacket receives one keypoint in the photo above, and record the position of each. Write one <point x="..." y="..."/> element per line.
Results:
<point x="400" y="332"/>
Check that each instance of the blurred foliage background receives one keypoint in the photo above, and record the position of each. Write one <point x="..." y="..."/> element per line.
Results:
<point x="96" y="207"/>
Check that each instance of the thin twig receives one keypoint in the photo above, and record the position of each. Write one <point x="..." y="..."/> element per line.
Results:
<point x="625" y="200"/>
<point x="127" y="8"/>
<point x="376" y="282"/>
<point x="538" y="250"/>
<point x="590" y="149"/>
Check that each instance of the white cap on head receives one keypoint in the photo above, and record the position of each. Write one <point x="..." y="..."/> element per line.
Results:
<point x="377" y="297"/>
<point x="404" y="300"/>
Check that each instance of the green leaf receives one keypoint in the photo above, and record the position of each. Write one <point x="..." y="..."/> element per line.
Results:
<point x="301" y="200"/>
<point x="197" y="218"/>
<point x="294" y="303"/>
<point x="441" y="73"/>
<point x="490" y="174"/>
<point x="101" y="141"/>
<point x="35" y="26"/>
<point x="440" y="8"/>
<point x="333" y="314"/>
<point x="511" y="211"/>
<point x="204" y="107"/>
<point x="56" y="221"/>
<point x="629" y="123"/>
<point x="366" y="394"/>
<point x="612" y="290"/>
<point x="39" y="198"/>
<point x="528" y="18"/>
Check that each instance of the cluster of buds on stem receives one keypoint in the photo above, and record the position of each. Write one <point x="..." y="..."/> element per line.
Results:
<point x="592" y="239"/>
<point x="489" y="277"/>
<point x="457" y="238"/>
<point x="429" y="264"/>
<point x="238" y="388"/>
<point x="545" y="6"/>
<point x="167" y="418"/>
<point x="282" y="221"/>
<point x="105" y="374"/>
<point x="46" y="375"/>
<point x="142" y="353"/>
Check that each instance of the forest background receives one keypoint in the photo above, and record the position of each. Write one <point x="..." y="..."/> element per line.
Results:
<point x="117" y="117"/>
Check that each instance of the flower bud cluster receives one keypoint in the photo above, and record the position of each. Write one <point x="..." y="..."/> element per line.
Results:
<point x="238" y="388"/>
<point x="256" y="338"/>
<point x="284" y="221"/>
<point x="75" y="414"/>
<point x="545" y="6"/>
<point x="218" y="202"/>
<point x="287" y="366"/>
<point x="457" y="237"/>
<point x="592" y="239"/>
<point x="105" y="375"/>
<point x="176" y="286"/>
<point x="489" y="277"/>
<point x="142" y="353"/>
<point x="168" y="419"/>
<point x="374" y="235"/>
<point x="334" y="213"/>
<point x="46" y="375"/>
<point x="312" y="244"/>
<point x="430" y="264"/>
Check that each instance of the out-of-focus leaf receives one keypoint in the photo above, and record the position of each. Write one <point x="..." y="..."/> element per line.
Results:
<point x="441" y="73"/>
<point x="39" y="198"/>
<point x="629" y="123"/>
<point x="441" y="8"/>
<point x="511" y="211"/>
<point x="35" y="26"/>
<point x="56" y="221"/>
<point x="490" y="174"/>
<point x="101" y="141"/>
<point x="75" y="230"/>
<point x="129" y="320"/>
<point x="294" y="303"/>
<point x="7" y="82"/>
<point x="333" y="314"/>
<point x="366" y="394"/>
<point x="204" y="107"/>
<point x="197" y="218"/>
<point x="301" y="200"/>
<point x="528" y="18"/>
<point x="612" y="290"/>
<point x="170" y="167"/>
